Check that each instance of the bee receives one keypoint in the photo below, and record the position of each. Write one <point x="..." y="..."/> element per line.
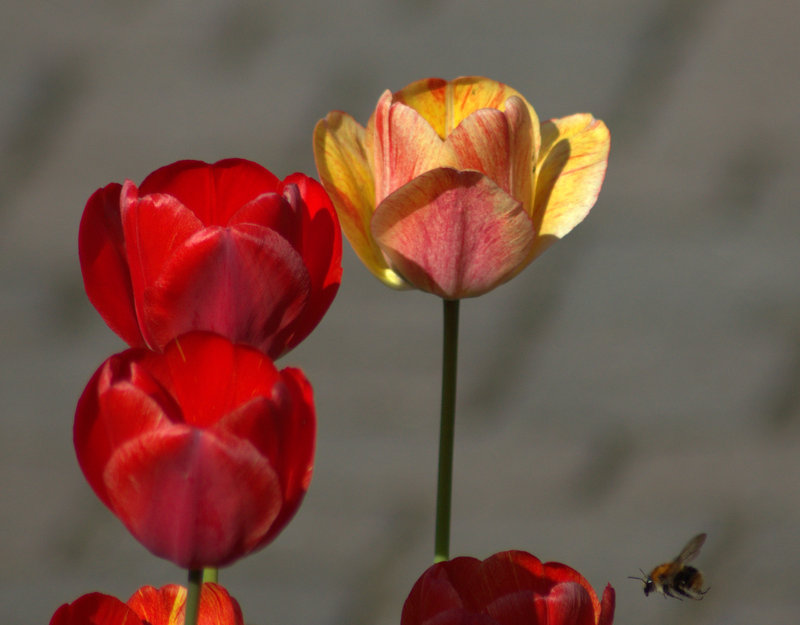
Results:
<point x="676" y="579"/>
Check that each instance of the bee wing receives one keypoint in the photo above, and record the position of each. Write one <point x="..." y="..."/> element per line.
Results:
<point x="691" y="549"/>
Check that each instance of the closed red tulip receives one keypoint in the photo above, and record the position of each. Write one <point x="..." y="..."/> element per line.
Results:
<point x="224" y="247"/>
<point x="150" y="606"/>
<point x="204" y="451"/>
<point x="508" y="588"/>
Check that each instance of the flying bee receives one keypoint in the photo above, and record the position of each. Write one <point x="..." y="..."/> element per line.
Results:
<point x="676" y="579"/>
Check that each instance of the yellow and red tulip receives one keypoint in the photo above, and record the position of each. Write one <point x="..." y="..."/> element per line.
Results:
<point x="454" y="187"/>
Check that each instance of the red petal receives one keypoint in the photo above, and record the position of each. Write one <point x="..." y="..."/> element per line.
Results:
<point x="453" y="233"/>
<point x="210" y="377"/>
<point x="95" y="609"/>
<point x="320" y="245"/>
<point x="293" y="458"/>
<point x="192" y="498"/>
<point x="607" y="604"/>
<point x="213" y="192"/>
<point x="121" y="401"/>
<point x="104" y="265"/>
<point x="245" y="283"/>
<point x="155" y="226"/>
<point x="570" y="604"/>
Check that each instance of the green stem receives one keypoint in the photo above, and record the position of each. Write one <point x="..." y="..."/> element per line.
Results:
<point x="210" y="575"/>
<point x="444" y="489"/>
<point x="193" y="597"/>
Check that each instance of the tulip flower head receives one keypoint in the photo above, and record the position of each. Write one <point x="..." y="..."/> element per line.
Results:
<point x="454" y="187"/>
<point x="508" y="588"/>
<point x="224" y="247"/>
<point x="150" y="606"/>
<point x="204" y="451"/>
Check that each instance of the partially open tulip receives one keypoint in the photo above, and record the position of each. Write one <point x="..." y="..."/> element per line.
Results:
<point x="509" y="588"/>
<point x="204" y="451"/>
<point x="150" y="606"/>
<point x="224" y="247"/>
<point x="454" y="187"/>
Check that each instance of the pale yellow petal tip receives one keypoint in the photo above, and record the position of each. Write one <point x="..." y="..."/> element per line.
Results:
<point x="392" y="279"/>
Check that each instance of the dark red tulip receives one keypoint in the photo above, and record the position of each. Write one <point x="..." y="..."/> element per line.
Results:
<point x="509" y="588"/>
<point x="224" y="247"/>
<point x="204" y="451"/>
<point x="150" y="606"/>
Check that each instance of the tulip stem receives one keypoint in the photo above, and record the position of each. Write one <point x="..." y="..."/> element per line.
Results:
<point x="192" y="610"/>
<point x="210" y="574"/>
<point x="444" y="490"/>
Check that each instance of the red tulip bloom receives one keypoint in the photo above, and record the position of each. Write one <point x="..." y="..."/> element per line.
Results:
<point x="204" y="451"/>
<point x="149" y="606"/>
<point x="227" y="248"/>
<point x="509" y="588"/>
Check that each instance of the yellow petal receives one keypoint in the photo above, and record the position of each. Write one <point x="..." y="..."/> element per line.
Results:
<point x="344" y="171"/>
<point x="499" y="144"/>
<point x="445" y="104"/>
<point x="569" y="173"/>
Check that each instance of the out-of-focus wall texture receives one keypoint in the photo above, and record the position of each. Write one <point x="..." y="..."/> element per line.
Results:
<point x="636" y="385"/>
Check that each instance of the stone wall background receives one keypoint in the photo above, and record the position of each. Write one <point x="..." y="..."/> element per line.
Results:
<point x="636" y="385"/>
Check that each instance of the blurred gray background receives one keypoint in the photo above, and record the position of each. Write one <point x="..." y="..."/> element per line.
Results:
<point x="636" y="385"/>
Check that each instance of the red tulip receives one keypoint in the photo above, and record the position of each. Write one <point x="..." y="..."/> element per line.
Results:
<point x="226" y="248"/>
<point x="150" y="606"/>
<point x="204" y="451"/>
<point x="509" y="588"/>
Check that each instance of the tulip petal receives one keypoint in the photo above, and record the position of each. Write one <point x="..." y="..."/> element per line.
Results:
<point x="568" y="604"/>
<point x="154" y="226"/>
<point x="570" y="171"/>
<point x="161" y="606"/>
<point x="191" y="497"/>
<point x="213" y="192"/>
<point x="607" y="605"/>
<point x="345" y="171"/>
<point x="453" y="233"/>
<point x="120" y="386"/>
<point x="167" y="605"/>
<point x="402" y="145"/>
<point x="95" y="609"/>
<point x="499" y="144"/>
<point x="104" y="266"/>
<point x="446" y="104"/>
<point x="244" y="282"/>
<point x="320" y="245"/>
